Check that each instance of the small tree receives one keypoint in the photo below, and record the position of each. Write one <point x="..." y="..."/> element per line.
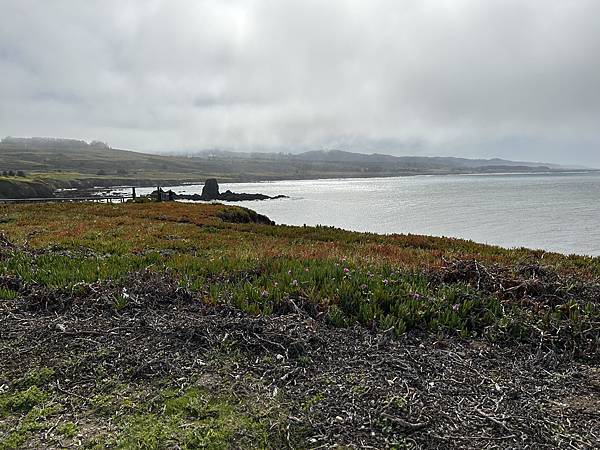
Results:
<point x="20" y="173"/>
<point x="11" y="173"/>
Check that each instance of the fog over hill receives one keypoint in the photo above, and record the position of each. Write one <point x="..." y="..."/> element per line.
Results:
<point x="96" y="157"/>
<point x="342" y="156"/>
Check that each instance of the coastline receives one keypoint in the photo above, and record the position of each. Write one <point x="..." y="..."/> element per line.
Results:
<point x="48" y="182"/>
<point x="554" y="212"/>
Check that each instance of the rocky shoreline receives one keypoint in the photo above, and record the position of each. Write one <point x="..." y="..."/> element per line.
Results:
<point x="210" y="192"/>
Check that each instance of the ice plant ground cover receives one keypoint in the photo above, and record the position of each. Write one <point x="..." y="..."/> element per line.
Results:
<point x="168" y="325"/>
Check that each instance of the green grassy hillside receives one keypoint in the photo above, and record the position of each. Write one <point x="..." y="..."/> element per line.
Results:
<point x="37" y="155"/>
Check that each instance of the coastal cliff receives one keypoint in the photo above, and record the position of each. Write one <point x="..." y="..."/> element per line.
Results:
<point x="17" y="188"/>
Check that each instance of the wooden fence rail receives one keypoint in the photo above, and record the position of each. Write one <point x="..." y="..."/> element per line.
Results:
<point x="96" y="198"/>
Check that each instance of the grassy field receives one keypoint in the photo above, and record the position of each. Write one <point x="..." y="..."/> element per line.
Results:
<point x="168" y="325"/>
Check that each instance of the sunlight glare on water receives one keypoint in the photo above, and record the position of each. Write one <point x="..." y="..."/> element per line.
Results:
<point x="555" y="212"/>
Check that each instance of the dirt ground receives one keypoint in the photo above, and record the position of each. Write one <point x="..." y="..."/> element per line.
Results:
<point x="317" y="386"/>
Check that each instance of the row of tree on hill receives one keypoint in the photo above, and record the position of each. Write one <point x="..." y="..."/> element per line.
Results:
<point x="12" y="173"/>
<point x="50" y="143"/>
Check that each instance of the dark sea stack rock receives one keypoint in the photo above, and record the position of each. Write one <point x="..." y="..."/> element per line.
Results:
<point x="210" y="191"/>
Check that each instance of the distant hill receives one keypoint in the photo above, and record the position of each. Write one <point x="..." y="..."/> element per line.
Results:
<point x="437" y="162"/>
<point x="50" y="155"/>
<point x="425" y="163"/>
<point x="340" y="156"/>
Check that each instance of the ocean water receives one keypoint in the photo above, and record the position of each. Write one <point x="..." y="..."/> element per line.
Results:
<point x="555" y="212"/>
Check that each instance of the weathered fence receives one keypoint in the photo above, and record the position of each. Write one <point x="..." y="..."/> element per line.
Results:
<point x="121" y="198"/>
<point x="95" y="198"/>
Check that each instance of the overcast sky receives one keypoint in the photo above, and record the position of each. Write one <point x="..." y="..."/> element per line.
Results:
<point x="507" y="78"/>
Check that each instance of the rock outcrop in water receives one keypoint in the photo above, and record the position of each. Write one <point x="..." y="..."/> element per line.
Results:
<point x="210" y="191"/>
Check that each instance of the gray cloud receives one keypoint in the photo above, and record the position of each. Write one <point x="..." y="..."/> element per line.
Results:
<point x="517" y="79"/>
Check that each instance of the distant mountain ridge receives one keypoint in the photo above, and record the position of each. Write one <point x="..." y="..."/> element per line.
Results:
<point x="333" y="155"/>
<point x="408" y="161"/>
<point x="51" y="155"/>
